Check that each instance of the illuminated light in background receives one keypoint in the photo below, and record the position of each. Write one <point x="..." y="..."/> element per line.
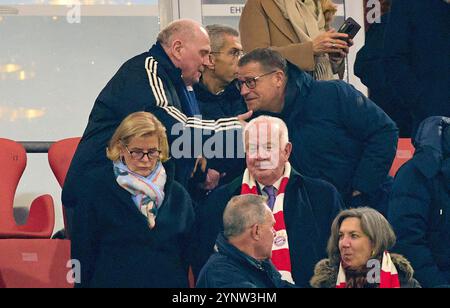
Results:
<point x="10" y="68"/>
<point x="14" y="114"/>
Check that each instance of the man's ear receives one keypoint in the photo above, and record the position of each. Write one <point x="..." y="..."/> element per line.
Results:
<point x="288" y="150"/>
<point x="177" y="47"/>
<point x="255" y="232"/>
<point x="280" y="78"/>
<point x="212" y="62"/>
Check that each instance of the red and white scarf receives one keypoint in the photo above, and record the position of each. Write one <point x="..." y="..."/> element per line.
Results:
<point x="388" y="276"/>
<point x="280" y="249"/>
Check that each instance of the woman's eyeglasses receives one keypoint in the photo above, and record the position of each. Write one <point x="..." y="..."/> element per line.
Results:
<point x="139" y="155"/>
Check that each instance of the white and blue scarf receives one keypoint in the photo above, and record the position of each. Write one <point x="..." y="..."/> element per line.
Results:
<point x="146" y="192"/>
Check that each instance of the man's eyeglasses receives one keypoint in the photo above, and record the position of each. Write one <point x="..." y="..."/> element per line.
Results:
<point x="251" y="82"/>
<point x="139" y="155"/>
<point x="235" y="53"/>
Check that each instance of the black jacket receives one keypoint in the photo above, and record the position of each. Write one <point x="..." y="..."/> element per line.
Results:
<point x="228" y="103"/>
<point x="310" y="206"/>
<point x="419" y="208"/>
<point x="370" y="68"/>
<point x="148" y="82"/>
<point x="231" y="268"/>
<point x="417" y="41"/>
<point x="114" y="244"/>
<point x="338" y="134"/>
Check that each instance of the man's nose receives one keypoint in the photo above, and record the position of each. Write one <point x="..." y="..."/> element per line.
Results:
<point x="244" y="89"/>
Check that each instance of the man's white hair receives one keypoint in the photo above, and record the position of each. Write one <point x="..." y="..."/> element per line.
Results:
<point x="272" y="122"/>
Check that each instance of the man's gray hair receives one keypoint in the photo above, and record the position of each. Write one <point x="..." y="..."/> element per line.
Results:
<point x="373" y="224"/>
<point x="268" y="58"/>
<point x="182" y="28"/>
<point x="217" y="34"/>
<point x="242" y="212"/>
<point x="251" y="129"/>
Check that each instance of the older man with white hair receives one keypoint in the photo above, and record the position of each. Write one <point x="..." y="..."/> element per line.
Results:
<point x="304" y="208"/>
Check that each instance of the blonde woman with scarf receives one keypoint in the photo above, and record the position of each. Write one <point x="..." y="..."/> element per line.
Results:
<point x="358" y="254"/>
<point x="132" y="226"/>
<point x="299" y="30"/>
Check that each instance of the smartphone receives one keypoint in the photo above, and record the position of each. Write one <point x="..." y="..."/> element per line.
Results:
<point x="350" y="27"/>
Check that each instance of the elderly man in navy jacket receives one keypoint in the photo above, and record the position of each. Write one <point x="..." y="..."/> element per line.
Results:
<point x="338" y="134"/>
<point x="304" y="208"/>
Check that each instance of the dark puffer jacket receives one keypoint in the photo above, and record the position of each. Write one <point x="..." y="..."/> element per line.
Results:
<point x="419" y="208"/>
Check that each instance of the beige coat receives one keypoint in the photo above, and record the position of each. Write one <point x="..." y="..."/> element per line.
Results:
<point x="263" y="25"/>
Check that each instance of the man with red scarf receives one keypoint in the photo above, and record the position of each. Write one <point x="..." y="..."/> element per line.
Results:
<point x="304" y="208"/>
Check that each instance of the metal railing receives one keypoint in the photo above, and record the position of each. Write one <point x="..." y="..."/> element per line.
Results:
<point x="36" y="146"/>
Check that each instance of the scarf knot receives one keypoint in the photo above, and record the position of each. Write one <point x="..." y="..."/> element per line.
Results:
<point x="147" y="193"/>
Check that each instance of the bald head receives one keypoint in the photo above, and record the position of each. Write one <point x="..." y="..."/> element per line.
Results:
<point x="187" y="45"/>
<point x="182" y="29"/>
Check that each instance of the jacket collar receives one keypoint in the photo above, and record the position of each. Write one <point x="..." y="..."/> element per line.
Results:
<point x="298" y="86"/>
<point x="274" y="14"/>
<point x="203" y="94"/>
<point x="174" y="73"/>
<point x="225" y="248"/>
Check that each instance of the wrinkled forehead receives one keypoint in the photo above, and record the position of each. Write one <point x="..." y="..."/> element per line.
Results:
<point x="262" y="132"/>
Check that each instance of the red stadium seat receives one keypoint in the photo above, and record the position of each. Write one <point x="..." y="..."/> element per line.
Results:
<point x="41" y="220"/>
<point x="34" y="263"/>
<point x="60" y="156"/>
<point x="405" y="151"/>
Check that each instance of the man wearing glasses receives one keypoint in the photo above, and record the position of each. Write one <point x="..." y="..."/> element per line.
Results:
<point x="338" y="134"/>
<point x="217" y="94"/>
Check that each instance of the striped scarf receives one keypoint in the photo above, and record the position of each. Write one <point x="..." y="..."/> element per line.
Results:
<point x="388" y="276"/>
<point x="281" y="257"/>
<point x="146" y="192"/>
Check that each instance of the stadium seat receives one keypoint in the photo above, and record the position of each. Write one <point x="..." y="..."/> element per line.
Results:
<point x="34" y="263"/>
<point x="405" y="151"/>
<point x="41" y="219"/>
<point x="60" y="156"/>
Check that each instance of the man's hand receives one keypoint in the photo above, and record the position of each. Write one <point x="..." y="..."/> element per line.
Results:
<point x="212" y="179"/>
<point x="245" y="116"/>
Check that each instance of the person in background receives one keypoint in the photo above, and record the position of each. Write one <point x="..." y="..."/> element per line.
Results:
<point x="416" y="57"/>
<point x="370" y="68"/>
<point x="299" y="30"/>
<point x="419" y="207"/>
<point x="133" y="223"/>
<point x="244" y="248"/>
<point x="303" y="207"/>
<point x="358" y="255"/>
<point x="218" y="96"/>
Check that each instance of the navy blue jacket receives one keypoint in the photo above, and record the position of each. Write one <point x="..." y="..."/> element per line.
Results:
<point x="228" y="103"/>
<point x="112" y="240"/>
<point x="417" y="42"/>
<point x="231" y="268"/>
<point x="310" y="206"/>
<point x="338" y="134"/>
<point x="369" y="67"/>
<point x="419" y="208"/>
<point x="148" y="82"/>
